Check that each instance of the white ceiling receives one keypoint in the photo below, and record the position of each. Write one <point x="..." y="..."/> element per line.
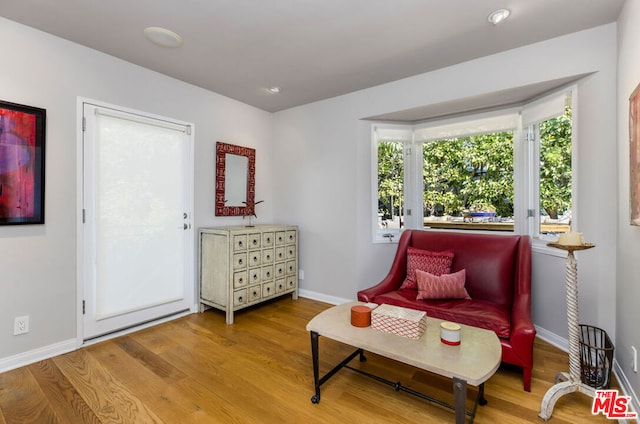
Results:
<point x="313" y="49"/>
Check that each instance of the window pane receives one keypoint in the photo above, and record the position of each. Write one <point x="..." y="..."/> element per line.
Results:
<point x="555" y="174"/>
<point x="468" y="182"/>
<point x="390" y="184"/>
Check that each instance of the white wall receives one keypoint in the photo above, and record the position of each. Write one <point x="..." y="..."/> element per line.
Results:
<point x="323" y="180"/>
<point x="38" y="262"/>
<point x="628" y="265"/>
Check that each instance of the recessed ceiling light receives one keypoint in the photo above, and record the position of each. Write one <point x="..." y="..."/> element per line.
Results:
<point x="498" y="16"/>
<point x="163" y="37"/>
<point x="275" y="90"/>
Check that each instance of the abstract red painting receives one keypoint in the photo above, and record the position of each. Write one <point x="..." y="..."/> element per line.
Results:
<point x="22" y="134"/>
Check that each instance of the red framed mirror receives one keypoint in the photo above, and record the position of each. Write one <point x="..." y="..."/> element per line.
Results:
<point x="235" y="180"/>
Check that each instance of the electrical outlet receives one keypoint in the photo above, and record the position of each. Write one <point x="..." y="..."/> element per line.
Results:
<point x="634" y="359"/>
<point x="21" y="325"/>
<point x="300" y="274"/>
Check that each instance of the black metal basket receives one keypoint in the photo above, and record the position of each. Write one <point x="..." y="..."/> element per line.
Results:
<point x="596" y="357"/>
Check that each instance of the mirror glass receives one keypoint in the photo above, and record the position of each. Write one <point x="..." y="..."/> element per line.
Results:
<point x="235" y="177"/>
<point x="235" y="180"/>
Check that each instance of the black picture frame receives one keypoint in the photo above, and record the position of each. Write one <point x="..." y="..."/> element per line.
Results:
<point x="22" y="153"/>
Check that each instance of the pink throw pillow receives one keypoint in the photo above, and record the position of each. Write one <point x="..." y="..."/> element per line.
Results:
<point x="445" y="286"/>
<point x="436" y="263"/>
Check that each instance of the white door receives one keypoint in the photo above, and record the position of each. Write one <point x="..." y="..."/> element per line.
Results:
<point x="137" y="235"/>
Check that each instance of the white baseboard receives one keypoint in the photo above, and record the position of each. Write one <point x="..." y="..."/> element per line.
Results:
<point x="552" y="338"/>
<point x="321" y="297"/>
<point x="35" y="355"/>
<point x="626" y="387"/>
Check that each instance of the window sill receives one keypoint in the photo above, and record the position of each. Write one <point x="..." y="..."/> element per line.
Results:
<point x="380" y="239"/>
<point x="540" y="246"/>
<point x="461" y="225"/>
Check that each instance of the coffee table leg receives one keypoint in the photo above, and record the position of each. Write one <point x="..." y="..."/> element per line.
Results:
<point x="460" y="399"/>
<point x="481" y="399"/>
<point x="316" y="367"/>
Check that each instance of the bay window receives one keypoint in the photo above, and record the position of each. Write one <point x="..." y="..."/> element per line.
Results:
<point x="507" y="170"/>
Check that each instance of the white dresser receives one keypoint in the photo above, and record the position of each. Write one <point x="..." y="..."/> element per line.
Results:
<point x="243" y="266"/>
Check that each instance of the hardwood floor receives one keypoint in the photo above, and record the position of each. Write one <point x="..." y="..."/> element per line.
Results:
<point x="198" y="370"/>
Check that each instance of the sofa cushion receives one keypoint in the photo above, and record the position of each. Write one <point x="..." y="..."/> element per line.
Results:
<point x="490" y="261"/>
<point x="475" y="312"/>
<point x="445" y="286"/>
<point x="436" y="263"/>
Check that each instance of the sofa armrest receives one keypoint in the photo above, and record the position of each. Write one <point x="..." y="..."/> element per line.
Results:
<point x="521" y="322"/>
<point x="522" y="329"/>
<point x="396" y="275"/>
<point x="523" y="334"/>
<point x="390" y="283"/>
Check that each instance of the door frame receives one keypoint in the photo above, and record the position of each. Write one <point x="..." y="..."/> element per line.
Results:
<point x="80" y="227"/>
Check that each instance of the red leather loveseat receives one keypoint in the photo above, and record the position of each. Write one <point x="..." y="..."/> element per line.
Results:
<point x="498" y="280"/>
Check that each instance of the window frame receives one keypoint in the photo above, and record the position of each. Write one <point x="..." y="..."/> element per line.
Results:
<point x="398" y="133"/>
<point x="553" y="102"/>
<point x="526" y="157"/>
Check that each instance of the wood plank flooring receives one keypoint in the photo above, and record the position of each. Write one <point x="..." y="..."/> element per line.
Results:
<point x="198" y="370"/>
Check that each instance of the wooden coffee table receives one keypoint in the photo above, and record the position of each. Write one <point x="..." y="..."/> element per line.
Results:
<point x="473" y="362"/>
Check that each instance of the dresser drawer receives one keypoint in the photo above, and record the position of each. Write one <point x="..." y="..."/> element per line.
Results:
<point x="240" y="242"/>
<point x="239" y="297"/>
<point x="280" y="270"/>
<point x="255" y="258"/>
<point x="291" y="267"/>
<point x="281" y="285"/>
<point x="267" y="256"/>
<point x="239" y="260"/>
<point x="255" y="241"/>
<point x="268" y="239"/>
<point x="281" y="254"/>
<point x="255" y="275"/>
<point x="281" y="236"/>
<point x="240" y="279"/>
<point x="290" y="252"/>
<point x="267" y="273"/>
<point x="268" y="289"/>
<point x="255" y="293"/>
<point x="290" y="237"/>
<point x="291" y="283"/>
